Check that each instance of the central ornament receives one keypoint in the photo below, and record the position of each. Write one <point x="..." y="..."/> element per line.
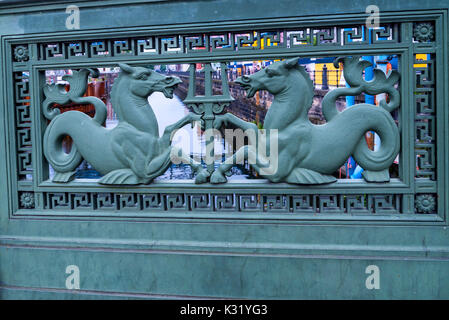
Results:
<point x="208" y="106"/>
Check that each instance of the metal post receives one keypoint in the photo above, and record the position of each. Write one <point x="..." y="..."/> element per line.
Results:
<point x="324" y="79"/>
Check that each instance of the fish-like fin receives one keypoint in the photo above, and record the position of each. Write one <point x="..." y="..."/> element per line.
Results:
<point x="307" y="176"/>
<point x="64" y="176"/>
<point x="120" y="176"/>
<point x="376" y="176"/>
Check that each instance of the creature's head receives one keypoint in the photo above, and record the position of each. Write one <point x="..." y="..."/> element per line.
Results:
<point x="143" y="81"/>
<point x="274" y="78"/>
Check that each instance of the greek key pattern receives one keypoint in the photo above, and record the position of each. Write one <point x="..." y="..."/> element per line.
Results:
<point x="208" y="202"/>
<point x="253" y="40"/>
<point x="425" y="112"/>
<point x="23" y="125"/>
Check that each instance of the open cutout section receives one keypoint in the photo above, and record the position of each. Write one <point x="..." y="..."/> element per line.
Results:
<point x="324" y="75"/>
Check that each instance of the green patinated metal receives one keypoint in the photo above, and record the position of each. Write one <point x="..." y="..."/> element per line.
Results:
<point x="132" y="152"/>
<point x="309" y="154"/>
<point x="297" y="233"/>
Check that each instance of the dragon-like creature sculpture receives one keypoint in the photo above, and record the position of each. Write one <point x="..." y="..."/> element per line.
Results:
<point x="132" y="152"/>
<point x="309" y="153"/>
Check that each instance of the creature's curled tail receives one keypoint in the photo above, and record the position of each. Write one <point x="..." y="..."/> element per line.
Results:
<point x="386" y="129"/>
<point x="353" y="73"/>
<point x="56" y="94"/>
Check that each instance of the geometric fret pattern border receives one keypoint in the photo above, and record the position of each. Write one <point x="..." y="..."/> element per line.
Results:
<point x="209" y="202"/>
<point x="233" y="44"/>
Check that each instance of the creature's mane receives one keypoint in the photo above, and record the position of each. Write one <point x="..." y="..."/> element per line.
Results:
<point x="308" y="90"/>
<point x="115" y="94"/>
<point x="116" y="83"/>
<point x="306" y="76"/>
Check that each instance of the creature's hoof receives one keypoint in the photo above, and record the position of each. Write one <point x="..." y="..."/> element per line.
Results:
<point x="64" y="176"/>
<point x="202" y="176"/>
<point x="376" y="176"/>
<point x="218" y="177"/>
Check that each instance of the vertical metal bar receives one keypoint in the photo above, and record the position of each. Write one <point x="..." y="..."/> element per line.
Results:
<point x="224" y="79"/>
<point x="208" y="80"/>
<point x="192" y="84"/>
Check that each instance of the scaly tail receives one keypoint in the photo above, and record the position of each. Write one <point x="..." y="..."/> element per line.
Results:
<point x="63" y="163"/>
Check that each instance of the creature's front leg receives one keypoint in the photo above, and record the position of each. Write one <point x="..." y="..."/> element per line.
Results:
<point x="250" y="129"/>
<point x="177" y="155"/>
<point x="246" y="152"/>
<point x="237" y="122"/>
<point x="169" y="130"/>
<point x="257" y="161"/>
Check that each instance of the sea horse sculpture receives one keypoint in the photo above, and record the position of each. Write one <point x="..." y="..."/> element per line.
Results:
<point x="130" y="153"/>
<point x="308" y="153"/>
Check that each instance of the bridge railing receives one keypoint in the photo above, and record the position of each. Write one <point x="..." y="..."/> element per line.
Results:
<point x="418" y="119"/>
